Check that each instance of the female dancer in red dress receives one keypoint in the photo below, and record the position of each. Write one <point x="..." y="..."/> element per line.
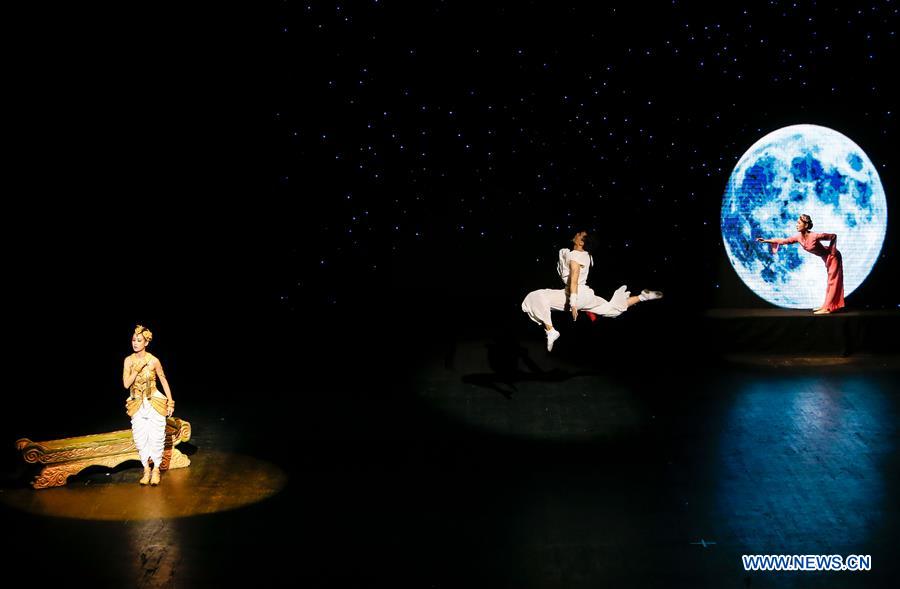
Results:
<point x="811" y="242"/>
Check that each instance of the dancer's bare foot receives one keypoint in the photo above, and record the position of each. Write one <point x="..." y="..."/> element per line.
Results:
<point x="146" y="478"/>
<point x="821" y="312"/>
<point x="154" y="477"/>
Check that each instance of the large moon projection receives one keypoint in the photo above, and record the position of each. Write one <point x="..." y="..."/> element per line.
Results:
<point x="795" y="170"/>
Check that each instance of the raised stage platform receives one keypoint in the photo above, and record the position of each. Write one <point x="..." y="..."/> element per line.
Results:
<point x="790" y="332"/>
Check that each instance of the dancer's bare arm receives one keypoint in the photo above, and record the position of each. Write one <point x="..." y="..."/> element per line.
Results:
<point x="165" y="384"/>
<point x="779" y="240"/>
<point x="130" y="372"/>
<point x="574" y="272"/>
<point x="776" y="242"/>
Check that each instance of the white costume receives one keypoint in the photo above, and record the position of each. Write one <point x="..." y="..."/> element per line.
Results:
<point x="148" y="423"/>
<point x="539" y="303"/>
<point x="149" y="430"/>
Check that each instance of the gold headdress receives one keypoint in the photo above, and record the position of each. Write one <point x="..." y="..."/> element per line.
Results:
<point x="141" y="330"/>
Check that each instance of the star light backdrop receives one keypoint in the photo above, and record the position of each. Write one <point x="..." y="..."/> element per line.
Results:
<point x="447" y="149"/>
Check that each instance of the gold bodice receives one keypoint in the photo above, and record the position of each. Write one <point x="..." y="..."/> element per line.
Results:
<point x="145" y="382"/>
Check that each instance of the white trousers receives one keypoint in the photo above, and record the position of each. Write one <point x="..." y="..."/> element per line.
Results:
<point x="149" y="430"/>
<point x="539" y="303"/>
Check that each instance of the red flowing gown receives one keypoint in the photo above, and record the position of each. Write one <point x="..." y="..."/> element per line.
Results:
<point x="811" y="242"/>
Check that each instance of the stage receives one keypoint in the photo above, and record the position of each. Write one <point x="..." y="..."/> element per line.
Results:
<point x="329" y="215"/>
<point x="485" y="460"/>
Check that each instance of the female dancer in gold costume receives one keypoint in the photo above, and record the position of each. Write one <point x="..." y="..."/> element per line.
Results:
<point x="147" y="407"/>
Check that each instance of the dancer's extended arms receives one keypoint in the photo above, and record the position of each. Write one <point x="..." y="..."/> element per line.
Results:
<point x="776" y="241"/>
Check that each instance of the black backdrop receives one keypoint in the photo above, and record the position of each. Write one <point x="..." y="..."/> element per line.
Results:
<point x="161" y="180"/>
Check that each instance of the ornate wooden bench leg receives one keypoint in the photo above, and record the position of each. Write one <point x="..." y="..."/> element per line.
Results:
<point x="56" y="475"/>
<point x="174" y="458"/>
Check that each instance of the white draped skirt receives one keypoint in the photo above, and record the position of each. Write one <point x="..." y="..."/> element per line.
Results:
<point x="149" y="430"/>
<point x="539" y="303"/>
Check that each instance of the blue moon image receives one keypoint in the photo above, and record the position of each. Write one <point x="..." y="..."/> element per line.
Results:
<point x="795" y="170"/>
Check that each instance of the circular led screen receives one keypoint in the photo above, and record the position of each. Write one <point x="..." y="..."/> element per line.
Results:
<point x="791" y="171"/>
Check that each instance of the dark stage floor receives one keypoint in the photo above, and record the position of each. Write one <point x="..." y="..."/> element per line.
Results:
<point x="489" y="462"/>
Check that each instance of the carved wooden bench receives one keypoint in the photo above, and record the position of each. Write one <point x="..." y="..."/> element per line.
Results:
<point x="67" y="456"/>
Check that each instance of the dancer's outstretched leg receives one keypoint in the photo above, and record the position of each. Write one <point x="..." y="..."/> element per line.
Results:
<point x="646" y="295"/>
<point x="620" y="301"/>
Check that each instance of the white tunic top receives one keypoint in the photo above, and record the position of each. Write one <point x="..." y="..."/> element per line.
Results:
<point x="582" y="258"/>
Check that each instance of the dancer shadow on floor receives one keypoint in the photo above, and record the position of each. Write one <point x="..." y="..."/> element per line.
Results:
<point x="505" y="359"/>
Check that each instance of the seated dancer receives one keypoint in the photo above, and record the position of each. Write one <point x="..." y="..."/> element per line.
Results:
<point x="834" y="290"/>
<point x="147" y="407"/>
<point x="573" y="268"/>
